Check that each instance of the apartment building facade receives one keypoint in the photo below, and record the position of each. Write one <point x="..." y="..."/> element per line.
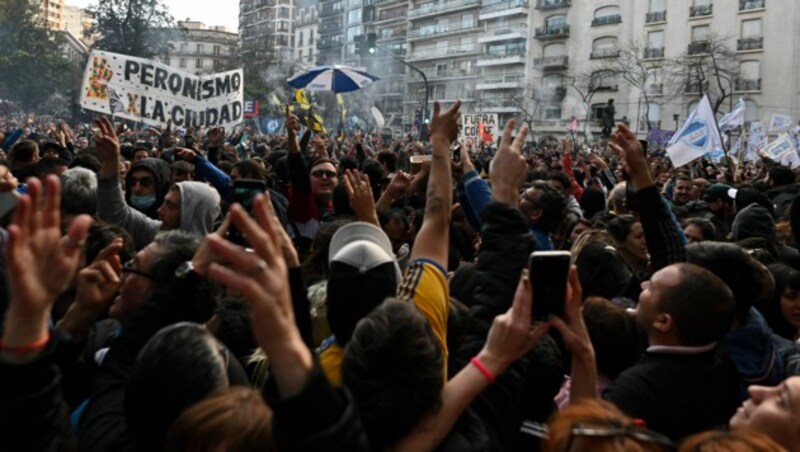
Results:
<point x="265" y="33"/>
<point x="306" y="32"/>
<point x="201" y="49"/>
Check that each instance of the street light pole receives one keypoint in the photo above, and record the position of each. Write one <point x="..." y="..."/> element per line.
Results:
<point x="416" y="69"/>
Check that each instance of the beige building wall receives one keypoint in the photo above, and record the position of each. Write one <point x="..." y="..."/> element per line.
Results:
<point x="52" y="13"/>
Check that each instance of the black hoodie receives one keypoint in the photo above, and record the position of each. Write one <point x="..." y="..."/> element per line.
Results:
<point x="162" y="176"/>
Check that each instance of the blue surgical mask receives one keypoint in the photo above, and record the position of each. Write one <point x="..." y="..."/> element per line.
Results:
<point x="142" y="202"/>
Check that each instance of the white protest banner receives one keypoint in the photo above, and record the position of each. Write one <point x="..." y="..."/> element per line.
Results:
<point x="780" y="122"/>
<point x="781" y="145"/>
<point x="153" y="93"/>
<point x="698" y="136"/>
<point x="471" y="126"/>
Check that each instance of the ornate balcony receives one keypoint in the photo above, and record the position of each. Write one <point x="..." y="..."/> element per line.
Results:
<point x="702" y="10"/>
<point x="654" y="52"/>
<point x="750" y="43"/>
<point x="746" y="5"/>
<point x="607" y="20"/>
<point x="698" y="47"/>
<point x="551" y="62"/>
<point x="604" y="53"/>
<point x="743" y="84"/>
<point x="548" y="5"/>
<point x="545" y="33"/>
<point x="654" y="17"/>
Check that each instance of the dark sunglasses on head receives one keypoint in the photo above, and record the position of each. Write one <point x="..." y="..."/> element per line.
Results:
<point x="613" y="429"/>
<point x="143" y="181"/>
<point x="324" y="173"/>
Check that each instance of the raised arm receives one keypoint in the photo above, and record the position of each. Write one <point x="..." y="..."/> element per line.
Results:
<point x="433" y="239"/>
<point x="664" y="237"/>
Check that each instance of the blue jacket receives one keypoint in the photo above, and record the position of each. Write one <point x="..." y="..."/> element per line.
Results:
<point x="755" y="353"/>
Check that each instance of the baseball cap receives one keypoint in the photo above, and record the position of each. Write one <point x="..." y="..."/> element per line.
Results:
<point x="716" y="192"/>
<point x="363" y="246"/>
<point x="363" y="272"/>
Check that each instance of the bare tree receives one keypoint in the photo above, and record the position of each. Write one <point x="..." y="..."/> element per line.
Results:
<point x="707" y="67"/>
<point x="641" y="73"/>
<point x="587" y="84"/>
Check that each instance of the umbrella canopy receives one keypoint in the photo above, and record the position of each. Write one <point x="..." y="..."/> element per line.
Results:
<point x="339" y="79"/>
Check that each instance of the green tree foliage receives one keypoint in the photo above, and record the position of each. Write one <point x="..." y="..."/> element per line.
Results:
<point x="132" y="27"/>
<point x="32" y="67"/>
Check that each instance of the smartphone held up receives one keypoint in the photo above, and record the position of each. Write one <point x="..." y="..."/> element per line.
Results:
<point x="549" y="275"/>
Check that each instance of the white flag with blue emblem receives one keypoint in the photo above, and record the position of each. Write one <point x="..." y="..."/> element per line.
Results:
<point x="698" y="136"/>
<point x="778" y="123"/>
<point x="733" y="119"/>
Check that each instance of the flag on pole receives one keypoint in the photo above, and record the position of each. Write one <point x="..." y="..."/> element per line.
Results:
<point x="779" y="123"/>
<point x="277" y="100"/>
<point x="781" y="145"/>
<point x="340" y="100"/>
<point x="756" y="141"/>
<point x="573" y="126"/>
<point x="733" y="119"/>
<point x="698" y="136"/>
<point x="302" y="100"/>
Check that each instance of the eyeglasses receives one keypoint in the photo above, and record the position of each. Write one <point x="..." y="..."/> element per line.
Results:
<point x="145" y="182"/>
<point x="324" y="173"/>
<point x="614" y="429"/>
<point x="130" y="267"/>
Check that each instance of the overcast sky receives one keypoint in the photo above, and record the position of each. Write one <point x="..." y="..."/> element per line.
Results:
<point x="206" y="11"/>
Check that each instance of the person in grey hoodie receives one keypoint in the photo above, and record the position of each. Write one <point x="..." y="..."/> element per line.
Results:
<point x="189" y="206"/>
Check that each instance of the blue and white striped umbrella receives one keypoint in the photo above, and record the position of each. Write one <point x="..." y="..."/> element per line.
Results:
<point x="339" y="79"/>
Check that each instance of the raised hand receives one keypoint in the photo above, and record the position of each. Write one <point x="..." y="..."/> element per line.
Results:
<point x="215" y="135"/>
<point x="107" y="145"/>
<point x="509" y="169"/>
<point x="627" y="147"/>
<point x="362" y="201"/>
<point x="204" y="256"/>
<point x="262" y="279"/>
<point x="186" y="154"/>
<point x="444" y="126"/>
<point x="40" y="263"/>
<point x="511" y="335"/>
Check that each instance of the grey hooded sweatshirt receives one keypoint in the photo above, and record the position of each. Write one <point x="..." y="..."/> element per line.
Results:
<point x="199" y="208"/>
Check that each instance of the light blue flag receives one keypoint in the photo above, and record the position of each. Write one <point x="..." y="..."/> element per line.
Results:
<point x="698" y="136"/>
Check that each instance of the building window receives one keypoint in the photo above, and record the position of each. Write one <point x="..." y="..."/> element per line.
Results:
<point x="166" y="61"/>
<point x="749" y="76"/>
<point x="607" y="15"/>
<point x="199" y="49"/>
<point x="700" y="33"/>
<point x="310" y="37"/>
<point x="554" y="22"/>
<point x="300" y="39"/>
<point x="605" y="47"/>
<point x="552" y="112"/>
<point x="554" y="50"/>
<point x="352" y="32"/>
<point x="217" y="50"/>
<point x="653" y="120"/>
<point x="182" y="63"/>
<point x="751" y="28"/>
<point x="300" y="54"/>
<point x="354" y="16"/>
<point x="655" y="45"/>
<point x="198" y="63"/>
<point x="657" y="6"/>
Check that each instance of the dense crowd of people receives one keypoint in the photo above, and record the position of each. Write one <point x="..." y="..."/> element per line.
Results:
<point x="206" y="290"/>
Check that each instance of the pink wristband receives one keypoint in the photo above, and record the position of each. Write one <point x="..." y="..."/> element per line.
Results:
<point x="479" y="365"/>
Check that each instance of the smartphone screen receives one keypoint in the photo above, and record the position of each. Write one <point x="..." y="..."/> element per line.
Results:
<point x="244" y="191"/>
<point x="549" y="271"/>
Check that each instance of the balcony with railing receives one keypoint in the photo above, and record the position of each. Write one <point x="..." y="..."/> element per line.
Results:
<point x="327" y="43"/>
<point x="548" y="5"/>
<point x="389" y="15"/>
<point x="698" y="47"/>
<point x="511" y="81"/>
<point x="558" y="32"/>
<point x="744" y="85"/>
<point x="608" y="84"/>
<point x="440" y="29"/>
<point x="550" y="94"/>
<point x="520" y="31"/>
<point x="701" y="10"/>
<point x="386" y="2"/>
<point x="695" y="87"/>
<point x="604" y="53"/>
<point x="429" y="9"/>
<point x="435" y="74"/>
<point x="516" y="56"/>
<point x="747" y="5"/>
<point x="330" y="27"/>
<point x="551" y="62"/>
<point x="429" y="54"/>
<point x="754" y="43"/>
<point x="655" y="17"/>
<point x="653" y="53"/>
<point x="607" y="20"/>
<point x="329" y="11"/>
<point x="388" y="34"/>
<point x="503" y="9"/>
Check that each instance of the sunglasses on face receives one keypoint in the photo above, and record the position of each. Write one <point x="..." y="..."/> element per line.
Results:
<point x="324" y="173"/>
<point x="145" y="182"/>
